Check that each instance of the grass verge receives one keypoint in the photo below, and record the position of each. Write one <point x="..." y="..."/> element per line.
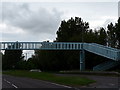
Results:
<point x="71" y="80"/>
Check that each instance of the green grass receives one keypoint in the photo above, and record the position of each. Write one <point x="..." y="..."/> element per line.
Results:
<point x="66" y="80"/>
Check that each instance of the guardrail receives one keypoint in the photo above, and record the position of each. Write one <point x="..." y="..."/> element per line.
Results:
<point x="39" y="46"/>
<point x="101" y="50"/>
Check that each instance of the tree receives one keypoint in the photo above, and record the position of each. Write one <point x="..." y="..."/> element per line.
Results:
<point x="72" y="30"/>
<point x="117" y="30"/>
<point x="102" y="36"/>
<point x="11" y="57"/>
<point x="111" y="35"/>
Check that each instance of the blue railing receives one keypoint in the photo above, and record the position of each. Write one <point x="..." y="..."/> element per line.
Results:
<point x="40" y="46"/>
<point x="101" y="50"/>
<point x="98" y="49"/>
<point x="104" y="51"/>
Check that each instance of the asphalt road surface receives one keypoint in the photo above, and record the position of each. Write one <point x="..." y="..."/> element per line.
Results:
<point x="21" y="82"/>
<point x="101" y="81"/>
<point x="104" y="82"/>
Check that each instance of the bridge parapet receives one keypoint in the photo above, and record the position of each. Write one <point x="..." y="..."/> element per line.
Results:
<point x="98" y="49"/>
<point x="40" y="46"/>
<point x="118" y="54"/>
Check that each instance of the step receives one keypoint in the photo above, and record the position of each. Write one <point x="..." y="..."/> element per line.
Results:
<point x="106" y="65"/>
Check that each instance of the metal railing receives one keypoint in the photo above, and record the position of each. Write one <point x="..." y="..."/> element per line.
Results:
<point x="101" y="50"/>
<point x="40" y="46"/>
<point x="104" y="51"/>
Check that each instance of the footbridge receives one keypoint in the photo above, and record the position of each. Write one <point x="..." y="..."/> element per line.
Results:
<point x="108" y="52"/>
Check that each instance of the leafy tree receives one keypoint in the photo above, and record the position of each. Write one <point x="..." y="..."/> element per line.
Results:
<point x="111" y="35"/>
<point x="11" y="57"/>
<point x="21" y="65"/>
<point x="72" y="30"/>
<point x="102" y="37"/>
<point x="117" y="29"/>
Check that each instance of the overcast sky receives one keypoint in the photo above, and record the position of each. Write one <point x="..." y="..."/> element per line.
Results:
<point x="39" y="21"/>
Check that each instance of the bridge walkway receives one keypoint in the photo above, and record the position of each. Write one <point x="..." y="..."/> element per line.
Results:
<point x="108" y="52"/>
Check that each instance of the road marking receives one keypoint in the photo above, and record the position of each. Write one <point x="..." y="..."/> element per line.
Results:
<point x="14" y="86"/>
<point x="56" y="84"/>
<point x="61" y="85"/>
<point x="10" y="83"/>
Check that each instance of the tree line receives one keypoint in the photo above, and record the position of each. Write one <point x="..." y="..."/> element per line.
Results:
<point x="72" y="30"/>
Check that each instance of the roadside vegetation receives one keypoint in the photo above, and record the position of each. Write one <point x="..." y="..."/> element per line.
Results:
<point x="52" y="77"/>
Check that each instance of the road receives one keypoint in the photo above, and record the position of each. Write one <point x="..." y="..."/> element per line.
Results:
<point x="103" y="81"/>
<point x="22" y="82"/>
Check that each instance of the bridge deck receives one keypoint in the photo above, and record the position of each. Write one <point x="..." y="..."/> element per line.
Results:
<point x="101" y="50"/>
<point x="40" y="46"/>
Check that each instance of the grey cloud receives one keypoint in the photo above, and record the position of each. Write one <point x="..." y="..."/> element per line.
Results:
<point x="26" y="37"/>
<point x="33" y="21"/>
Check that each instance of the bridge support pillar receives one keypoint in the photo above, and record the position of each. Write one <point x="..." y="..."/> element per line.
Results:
<point x="82" y="60"/>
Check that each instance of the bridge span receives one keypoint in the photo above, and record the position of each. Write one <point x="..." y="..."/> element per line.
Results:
<point x="108" y="52"/>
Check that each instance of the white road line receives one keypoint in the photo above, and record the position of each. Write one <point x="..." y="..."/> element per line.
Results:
<point x="14" y="86"/>
<point x="11" y="83"/>
<point x="61" y="85"/>
<point x="8" y="82"/>
<point x="41" y="80"/>
<point x="56" y="84"/>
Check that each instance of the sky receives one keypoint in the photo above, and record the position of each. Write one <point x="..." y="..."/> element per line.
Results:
<point x="39" y="21"/>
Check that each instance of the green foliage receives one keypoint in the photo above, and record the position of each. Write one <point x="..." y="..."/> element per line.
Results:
<point x="102" y="36"/>
<point x="27" y="65"/>
<point x="11" y="57"/>
<point x="114" y="34"/>
<point x="111" y="35"/>
<point x="117" y="29"/>
<point x="72" y="30"/>
<point x="21" y="65"/>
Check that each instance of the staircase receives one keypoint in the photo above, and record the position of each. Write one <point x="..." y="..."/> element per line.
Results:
<point x="104" y="51"/>
<point x="106" y="65"/>
<point x="108" y="52"/>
